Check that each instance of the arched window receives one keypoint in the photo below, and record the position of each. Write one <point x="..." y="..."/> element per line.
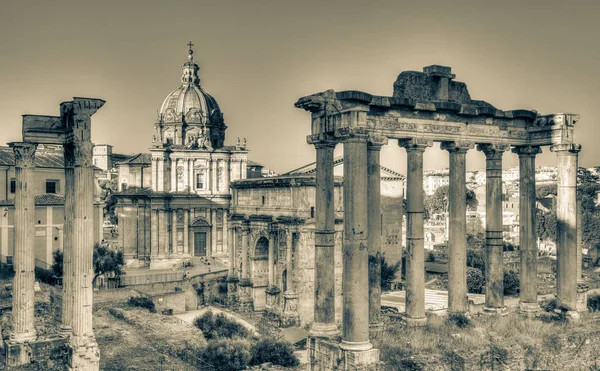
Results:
<point x="262" y="247"/>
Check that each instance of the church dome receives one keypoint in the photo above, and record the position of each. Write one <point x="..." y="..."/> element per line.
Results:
<point x="189" y="102"/>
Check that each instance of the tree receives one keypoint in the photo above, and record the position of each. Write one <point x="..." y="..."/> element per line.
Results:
<point x="105" y="261"/>
<point x="475" y="280"/>
<point x="388" y="273"/>
<point x="438" y="202"/>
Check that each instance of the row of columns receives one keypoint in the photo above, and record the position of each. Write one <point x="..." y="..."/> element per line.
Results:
<point x="362" y="232"/>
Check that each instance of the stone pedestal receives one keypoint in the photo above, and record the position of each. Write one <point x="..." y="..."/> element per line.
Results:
<point x="23" y="299"/>
<point x="245" y="295"/>
<point x="326" y="355"/>
<point x="582" y="295"/>
<point x="290" y="316"/>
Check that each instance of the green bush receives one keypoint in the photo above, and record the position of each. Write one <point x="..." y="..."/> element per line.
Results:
<point x="476" y="259"/>
<point x="278" y="352"/>
<point x="593" y="303"/>
<point x="475" y="280"/>
<point x="228" y="354"/>
<point x="44" y="275"/>
<point x="512" y="283"/>
<point x="396" y="357"/>
<point x="142" y="302"/>
<point x="459" y="320"/>
<point x="220" y="326"/>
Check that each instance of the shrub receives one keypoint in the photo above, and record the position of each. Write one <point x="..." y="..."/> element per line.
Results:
<point x="430" y="257"/>
<point x="278" y="352"/>
<point x="497" y="355"/>
<point x="512" y="283"/>
<point x="396" y="357"/>
<point x="475" y="259"/>
<point x="228" y="354"/>
<point x="550" y="306"/>
<point x="388" y="273"/>
<point x="44" y="275"/>
<point x="142" y="302"/>
<point x="475" y="280"/>
<point x="219" y="326"/>
<point x="459" y="320"/>
<point x="593" y="303"/>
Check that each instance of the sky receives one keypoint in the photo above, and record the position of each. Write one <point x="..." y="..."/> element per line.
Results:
<point x="257" y="57"/>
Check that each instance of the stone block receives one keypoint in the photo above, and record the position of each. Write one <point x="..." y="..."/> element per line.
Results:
<point x="326" y="354"/>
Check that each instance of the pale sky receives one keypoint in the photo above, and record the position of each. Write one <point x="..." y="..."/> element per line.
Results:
<point x="258" y="57"/>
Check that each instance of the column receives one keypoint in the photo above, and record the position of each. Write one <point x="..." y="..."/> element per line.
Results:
<point x="415" y="262"/>
<point x="154" y="232"/>
<point x="160" y="177"/>
<point x="154" y="174"/>
<point x="225" y="247"/>
<point x="192" y="179"/>
<point x="244" y="231"/>
<point x="271" y="257"/>
<point x="163" y="233"/>
<point x="226" y="175"/>
<point x="174" y="175"/>
<point x="185" y="175"/>
<point x="173" y="231"/>
<point x="231" y="249"/>
<point x="579" y="243"/>
<point x="528" y="303"/>
<point x="288" y="261"/>
<point x="67" y="289"/>
<point x="186" y="223"/>
<point x="213" y="176"/>
<point x="324" y="315"/>
<point x="374" y="230"/>
<point x="355" y="334"/>
<point x="494" y="263"/>
<point x="566" y="223"/>
<point x="213" y="238"/>
<point x="457" y="231"/>
<point x="23" y="299"/>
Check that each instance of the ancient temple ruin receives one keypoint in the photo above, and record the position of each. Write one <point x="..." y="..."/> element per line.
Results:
<point x="425" y="107"/>
<point x="72" y="130"/>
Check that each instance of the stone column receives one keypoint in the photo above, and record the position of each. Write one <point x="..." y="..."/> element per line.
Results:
<point x="271" y="257"/>
<point x="288" y="261"/>
<point x="84" y="352"/>
<point x="185" y="175"/>
<point x="355" y="333"/>
<point x="154" y="232"/>
<point x="225" y="246"/>
<point x="579" y="243"/>
<point x="415" y="262"/>
<point x="191" y="177"/>
<point x="244" y="232"/>
<point x="231" y="253"/>
<point x="67" y="289"/>
<point x="163" y="233"/>
<point x="494" y="264"/>
<point x="160" y="176"/>
<point x="213" y="238"/>
<point x="173" y="231"/>
<point x="174" y="175"/>
<point x="154" y="173"/>
<point x="23" y="299"/>
<point x="566" y="231"/>
<point x="528" y="303"/>
<point x="324" y="316"/>
<point x="457" y="231"/>
<point x="186" y="232"/>
<point x="374" y="232"/>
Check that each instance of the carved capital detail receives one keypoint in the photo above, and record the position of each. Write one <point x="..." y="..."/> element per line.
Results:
<point x="527" y="151"/>
<point x="457" y="146"/>
<point x="493" y="151"/>
<point x="24" y="154"/>
<point x="376" y="141"/>
<point x="415" y="144"/>
<point x="566" y="147"/>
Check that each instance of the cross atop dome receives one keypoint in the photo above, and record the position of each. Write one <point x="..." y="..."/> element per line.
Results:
<point x="190" y="69"/>
<point x="190" y="51"/>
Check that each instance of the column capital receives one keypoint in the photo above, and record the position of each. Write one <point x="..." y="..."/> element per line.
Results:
<point x="353" y="135"/>
<point x="493" y="150"/>
<point x="376" y="141"/>
<point x="24" y="154"/>
<point x="566" y="147"/>
<point x="457" y="146"/>
<point x="321" y="141"/>
<point x="415" y="144"/>
<point x="527" y="151"/>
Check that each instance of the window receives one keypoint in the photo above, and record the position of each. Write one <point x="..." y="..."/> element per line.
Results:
<point x="200" y="179"/>
<point x="96" y="161"/>
<point x="51" y="186"/>
<point x="13" y="185"/>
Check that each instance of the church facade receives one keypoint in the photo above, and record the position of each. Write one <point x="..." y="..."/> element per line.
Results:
<point x="174" y="202"/>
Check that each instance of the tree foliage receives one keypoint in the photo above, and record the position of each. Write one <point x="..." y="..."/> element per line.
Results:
<point x="475" y="280"/>
<point x="107" y="261"/>
<point x="278" y="352"/>
<point x="220" y="326"/>
<point x="438" y="202"/>
<point x="228" y="354"/>
<point x="389" y="273"/>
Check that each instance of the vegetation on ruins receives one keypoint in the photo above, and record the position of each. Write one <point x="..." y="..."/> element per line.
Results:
<point x="106" y="261"/>
<point x="458" y="320"/>
<point x="438" y="202"/>
<point x="475" y="280"/>
<point x="278" y="352"/>
<point x="389" y="273"/>
<point x="142" y="302"/>
<point x="219" y="326"/>
<point x="228" y="354"/>
<point x="593" y="303"/>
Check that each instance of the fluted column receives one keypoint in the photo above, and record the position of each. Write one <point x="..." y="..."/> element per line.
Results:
<point x="231" y="251"/>
<point x="355" y="334"/>
<point x="457" y="233"/>
<point x="154" y="243"/>
<point x="225" y="246"/>
<point x="174" y="175"/>
<point x="213" y="237"/>
<point x="271" y="257"/>
<point x="494" y="264"/>
<point x="324" y="315"/>
<point x="527" y="230"/>
<point x="288" y="261"/>
<point x="415" y="262"/>
<point x="67" y="279"/>
<point x="23" y="300"/>
<point x="579" y="243"/>
<point x="244" y="232"/>
<point x="566" y="231"/>
<point x="374" y="235"/>
<point x="173" y="231"/>
<point x="163" y="233"/>
<point x="154" y="173"/>
<point x="186" y="223"/>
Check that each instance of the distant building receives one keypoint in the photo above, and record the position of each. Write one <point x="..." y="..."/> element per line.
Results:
<point x="433" y="181"/>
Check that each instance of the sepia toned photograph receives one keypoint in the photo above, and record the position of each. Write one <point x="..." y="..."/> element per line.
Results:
<point x="319" y="185"/>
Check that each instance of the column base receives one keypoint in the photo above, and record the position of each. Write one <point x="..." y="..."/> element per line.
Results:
<point x="324" y="330"/>
<point x="65" y="331"/>
<point x="529" y="309"/>
<point x="582" y="290"/>
<point x="84" y="354"/>
<point x="415" y="322"/>
<point x="17" y="354"/>
<point x="25" y="337"/>
<point x="502" y="311"/>
<point x="327" y="355"/>
<point x="354" y="346"/>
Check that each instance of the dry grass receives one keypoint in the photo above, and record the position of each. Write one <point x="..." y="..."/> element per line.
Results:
<point x="528" y="343"/>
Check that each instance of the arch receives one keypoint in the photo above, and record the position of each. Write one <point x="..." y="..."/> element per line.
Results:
<point x="261" y="248"/>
